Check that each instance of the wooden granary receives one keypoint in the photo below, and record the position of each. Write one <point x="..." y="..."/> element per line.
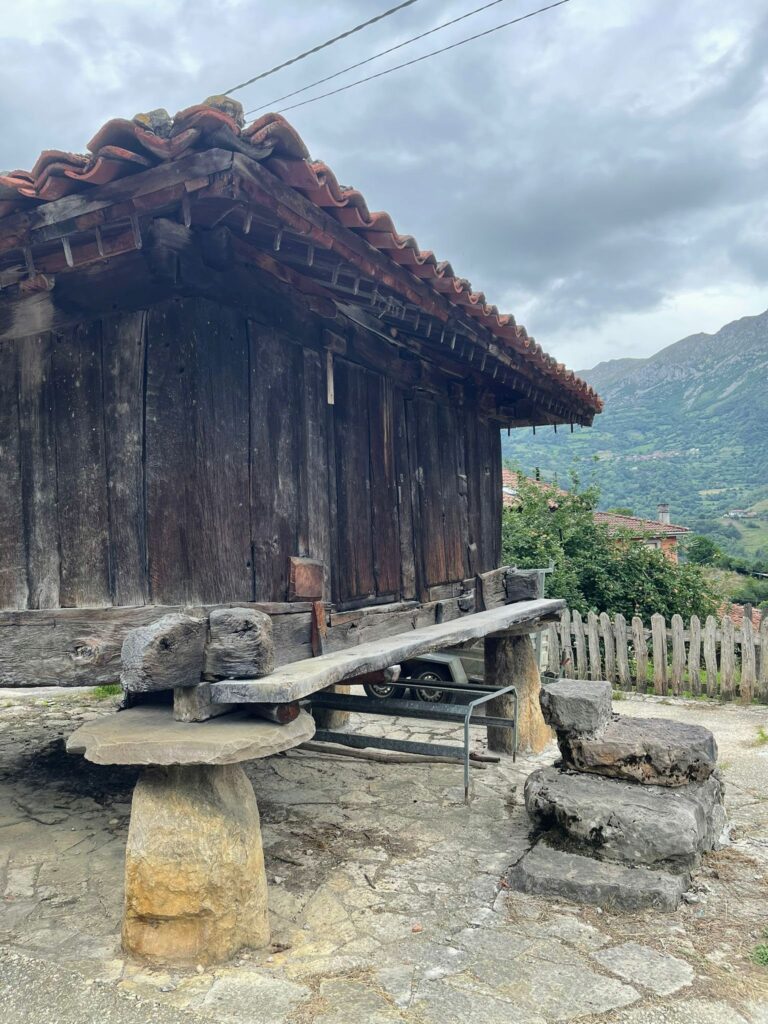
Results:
<point x="223" y="380"/>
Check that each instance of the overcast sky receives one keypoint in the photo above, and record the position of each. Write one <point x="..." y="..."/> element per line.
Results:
<point x="599" y="170"/>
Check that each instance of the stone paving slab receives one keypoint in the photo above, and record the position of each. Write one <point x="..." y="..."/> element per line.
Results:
<point x="387" y="895"/>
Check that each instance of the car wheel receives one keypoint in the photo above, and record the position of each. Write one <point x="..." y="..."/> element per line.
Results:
<point x="383" y="691"/>
<point x="430" y="696"/>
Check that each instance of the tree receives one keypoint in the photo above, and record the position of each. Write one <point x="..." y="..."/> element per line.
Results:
<point x="702" y="550"/>
<point x="594" y="569"/>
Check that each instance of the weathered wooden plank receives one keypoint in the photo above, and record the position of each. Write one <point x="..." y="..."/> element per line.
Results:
<point x="659" y="639"/>
<point x="622" y="654"/>
<point x="582" y="668"/>
<point x="13" y="549"/>
<point x="291" y="682"/>
<point x="609" y="646"/>
<point x="353" y="482"/>
<point x="593" y="638"/>
<point x="81" y="468"/>
<point x="38" y="469"/>
<point x="762" y="678"/>
<point x="123" y="348"/>
<point x="490" y="510"/>
<point x="314" y="463"/>
<point x="276" y="449"/>
<point x="454" y="525"/>
<point x="553" y="650"/>
<point x="640" y="645"/>
<point x="474" y="487"/>
<point x="404" y="498"/>
<point x="565" y="645"/>
<point x="678" y="655"/>
<point x="694" y="655"/>
<point x="727" y="658"/>
<point x="384" y="505"/>
<point x="710" y="655"/>
<point x="748" y="667"/>
<point x="432" y="537"/>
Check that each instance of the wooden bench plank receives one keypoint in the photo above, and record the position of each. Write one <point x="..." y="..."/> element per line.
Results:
<point x="300" y="678"/>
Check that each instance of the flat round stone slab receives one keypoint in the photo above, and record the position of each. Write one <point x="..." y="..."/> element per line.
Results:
<point x="150" y="735"/>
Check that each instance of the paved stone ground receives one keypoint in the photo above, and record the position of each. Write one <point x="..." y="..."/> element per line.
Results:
<point x="387" y="896"/>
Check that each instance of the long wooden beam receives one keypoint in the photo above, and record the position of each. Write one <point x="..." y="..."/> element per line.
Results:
<point x="301" y="678"/>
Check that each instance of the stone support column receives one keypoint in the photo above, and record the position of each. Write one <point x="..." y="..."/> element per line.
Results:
<point x="510" y="661"/>
<point x="195" y="886"/>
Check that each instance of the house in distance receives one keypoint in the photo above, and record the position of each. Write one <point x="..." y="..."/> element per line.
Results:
<point x="223" y="379"/>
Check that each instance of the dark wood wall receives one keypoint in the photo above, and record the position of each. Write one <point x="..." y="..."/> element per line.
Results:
<point x="181" y="454"/>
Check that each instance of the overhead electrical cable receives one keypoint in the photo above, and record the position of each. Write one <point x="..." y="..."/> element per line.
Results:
<point x="321" y="46"/>
<point x="426" y="56"/>
<point x="381" y="53"/>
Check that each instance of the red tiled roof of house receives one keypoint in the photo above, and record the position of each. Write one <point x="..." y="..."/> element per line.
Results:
<point x="638" y="526"/>
<point x="124" y="147"/>
<point x="736" y="613"/>
<point x="510" y="481"/>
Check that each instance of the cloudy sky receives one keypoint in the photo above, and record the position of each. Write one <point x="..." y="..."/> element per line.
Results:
<point x="599" y="170"/>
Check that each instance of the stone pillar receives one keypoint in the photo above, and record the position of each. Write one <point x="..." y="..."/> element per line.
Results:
<point x="195" y="887"/>
<point x="510" y="661"/>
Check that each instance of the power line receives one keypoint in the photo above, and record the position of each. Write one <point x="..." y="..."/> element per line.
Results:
<point x="417" y="60"/>
<point x="368" y="60"/>
<point x="321" y="46"/>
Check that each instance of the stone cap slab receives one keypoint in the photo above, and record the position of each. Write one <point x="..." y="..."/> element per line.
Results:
<point x="576" y="705"/>
<point x="149" y="735"/>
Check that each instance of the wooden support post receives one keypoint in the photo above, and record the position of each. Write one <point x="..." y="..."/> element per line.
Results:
<point x="510" y="661"/>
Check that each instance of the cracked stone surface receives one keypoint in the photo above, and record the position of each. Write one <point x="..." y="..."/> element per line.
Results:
<point x="387" y="899"/>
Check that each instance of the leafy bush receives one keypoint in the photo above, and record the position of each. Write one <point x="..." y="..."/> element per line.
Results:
<point x="595" y="569"/>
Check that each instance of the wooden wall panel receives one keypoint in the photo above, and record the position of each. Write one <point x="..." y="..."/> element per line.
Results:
<point x="384" y="504"/>
<point x="316" y="535"/>
<point x="454" y="503"/>
<point x="276" y="454"/>
<point x="431" y="492"/>
<point x="123" y="348"/>
<point x="81" y="470"/>
<point x="13" y="552"/>
<point x="353" y="483"/>
<point x="474" y="470"/>
<point x="490" y="494"/>
<point x="38" y="466"/>
<point x="197" y="430"/>
<point x="404" y="498"/>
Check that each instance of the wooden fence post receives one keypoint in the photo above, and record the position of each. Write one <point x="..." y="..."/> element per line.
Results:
<point x="641" y="654"/>
<point x="566" y="659"/>
<point x="622" y="656"/>
<point x="710" y="655"/>
<point x="762" y="679"/>
<point x="581" y="649"/>
<point x="748" y="673"/>
<point x="727" y="658"/>
<point x="553" y="650"/>
<point x="659" y="639"/>
<point x="678" y="654"/>
<point x="606" y="630"/>
<point x="593" y="637"/>
<point x="694" y="655"/>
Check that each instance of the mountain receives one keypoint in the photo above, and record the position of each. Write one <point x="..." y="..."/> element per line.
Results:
<point x="687" y="426"/>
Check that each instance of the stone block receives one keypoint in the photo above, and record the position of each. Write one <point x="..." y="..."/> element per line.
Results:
<point x="576" y="705"/>
<point x="548" y="871"/>
<point x="621" y="821"/>
<point x="240" y="644"/>
<point x="163" y="655"/>
<point x="195" y="887"/>
<point x="654" y="751"/>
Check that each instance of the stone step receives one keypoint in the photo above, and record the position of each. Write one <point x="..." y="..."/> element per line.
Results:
<point x="654" y="751"/>
<point x="621" y="821"/>
<point x="548" y="871"/>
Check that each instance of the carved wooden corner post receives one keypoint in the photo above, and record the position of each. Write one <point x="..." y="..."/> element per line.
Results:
<point x="510" y="661"/>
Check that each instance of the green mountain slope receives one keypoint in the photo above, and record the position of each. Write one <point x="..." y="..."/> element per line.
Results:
<point x="688" y="426"/>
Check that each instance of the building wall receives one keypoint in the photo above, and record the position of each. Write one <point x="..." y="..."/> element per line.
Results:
<point x="183" y="453"/>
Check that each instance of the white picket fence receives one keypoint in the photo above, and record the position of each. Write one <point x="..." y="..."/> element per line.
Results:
<point x="713" y="660"/>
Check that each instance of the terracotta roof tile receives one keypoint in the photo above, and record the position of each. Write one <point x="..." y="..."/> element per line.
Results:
<point x="122" y="147"/>
<point x="637" y="525"/>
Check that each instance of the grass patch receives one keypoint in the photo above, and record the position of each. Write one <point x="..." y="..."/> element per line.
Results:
<point x="759" y="955"/>
<point x="762" y="737"/>
<point x="618" y="695"/>
<point x="106" y="692"/>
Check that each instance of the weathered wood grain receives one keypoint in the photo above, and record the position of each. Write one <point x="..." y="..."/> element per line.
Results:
<point x="678" y="655"/>
<point x="727" y="658"/>
<point x="609" y="646"/>
<point x="710" y="655"/>
<point x="694" y="655"/>
<point x="404" y="498"/>
<point x="593" y="640"/>
<point x="38" y="469"/>
<point x="582" y="666"/>
<point x="748" y="667"/>
<point x="13" y="549"/>
<point x="315" y="485"/>
<point x="81" y="468"/>
<point x="292" y="682"/>
<point x="384" y="504"/>
<point x="640" y="645"/>
<point x="429" y="481"/>
<point x="123" y="348"/>
<point x="659" y="638"/>
<point x="762" y="678"/>
<point x="566" y="646"/>
<point x="553" y="650"/>
<point x="624" y="678"/>
<point x="454" y="522"/>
